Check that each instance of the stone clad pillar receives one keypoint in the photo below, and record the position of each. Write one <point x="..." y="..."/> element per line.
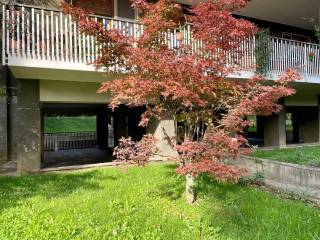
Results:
<point x="3" y="117"/>
<point x="164" y="132"/>
<point x="27" y="129"/>
<point x="275" y="130"/>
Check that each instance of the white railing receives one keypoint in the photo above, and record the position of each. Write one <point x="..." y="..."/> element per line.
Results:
<point x="35" y="33"/>
<point x="38" y="35"/>
<point x="286" y="54"/>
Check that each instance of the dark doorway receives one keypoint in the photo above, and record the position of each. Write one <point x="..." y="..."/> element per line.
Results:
<point x="254" y="133"/>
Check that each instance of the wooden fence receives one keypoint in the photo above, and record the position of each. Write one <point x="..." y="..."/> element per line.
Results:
<point x="69" y="140"/>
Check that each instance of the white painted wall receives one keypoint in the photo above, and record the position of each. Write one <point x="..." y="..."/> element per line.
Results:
<point x="71" y="92"/>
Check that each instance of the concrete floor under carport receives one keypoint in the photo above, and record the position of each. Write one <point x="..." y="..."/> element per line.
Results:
<point x="125" y="122"/>
<point x="73" y="157"/>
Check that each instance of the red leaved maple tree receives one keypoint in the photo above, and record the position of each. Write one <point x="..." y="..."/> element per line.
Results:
<point x="193" y="86"/>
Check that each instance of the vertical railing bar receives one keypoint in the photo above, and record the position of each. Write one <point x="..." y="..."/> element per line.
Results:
<point x="4" y="37"/>
<point x="42" y="46"/>
<point x="75" y="42"/>
<point x="61" y="38"/>
<point x="18" y="25"/>
<point x="23" y="30"/>
<point x="37" y="35"/>
<point x="80" y="46"/>
<point x="13" y="51"/>
<point x="88" y="49"/>
<point x="9" y="48"/>
<point x="57" y="38"/>
<point x="28" y="53"/>
<point x="95" y="46"/>
<point x="84" y="42"/>
<point x="53" y="57"/>
<point x="66" y="35"/>
<point x="48" y="40"/>
<point x="70" y="38"/>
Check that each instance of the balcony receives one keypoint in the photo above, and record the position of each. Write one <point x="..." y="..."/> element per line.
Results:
<point x="37" y="40"/>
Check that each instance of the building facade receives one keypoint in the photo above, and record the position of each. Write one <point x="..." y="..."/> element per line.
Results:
<point x="45" y="72"/>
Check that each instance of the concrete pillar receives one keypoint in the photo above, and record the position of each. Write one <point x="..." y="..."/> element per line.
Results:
<point x="27" y="128"/>
<point x="275" y="130"/>
<point x="164" y="132"/>
<point x="310" y="124"/>
<point x="12" y="127"/>
<point x="3" y="118"/>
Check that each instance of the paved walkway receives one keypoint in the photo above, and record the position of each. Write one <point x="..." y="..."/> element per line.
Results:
<point x="73" y="157"/>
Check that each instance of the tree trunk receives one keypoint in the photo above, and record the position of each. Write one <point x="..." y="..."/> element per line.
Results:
<point x="190" y="180"/>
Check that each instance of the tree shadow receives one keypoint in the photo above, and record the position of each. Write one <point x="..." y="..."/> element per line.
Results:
<point x="207" y="186"/>
<point x="13" y="190"/>
<point x="173" y="188"/>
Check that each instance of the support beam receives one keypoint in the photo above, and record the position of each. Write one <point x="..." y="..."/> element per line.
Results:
<point x="27" y="128"/>
<point x="275" y="130"/>
<point x="3" y="117"/>
<point x="164" y="132"/>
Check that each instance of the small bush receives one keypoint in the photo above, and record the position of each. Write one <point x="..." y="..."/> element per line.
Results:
<point x="137" y="153"/>
<point x="257" y="178"/>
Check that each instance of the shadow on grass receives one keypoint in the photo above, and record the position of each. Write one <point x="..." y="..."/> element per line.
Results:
<point x="207" y="186"/>
<point x="14" y="189"/>
<point x="173" y="188"/>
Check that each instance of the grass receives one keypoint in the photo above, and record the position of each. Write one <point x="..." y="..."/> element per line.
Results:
<point x="145" y="203"/>
<point x="300" y="155"/>
<point x="69" y="124"/>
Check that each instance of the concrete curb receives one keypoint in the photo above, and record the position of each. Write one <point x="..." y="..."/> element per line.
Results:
<point x="284" y="175"/>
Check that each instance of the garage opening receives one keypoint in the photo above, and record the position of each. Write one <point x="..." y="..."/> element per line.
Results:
<point x="78" y="134"/>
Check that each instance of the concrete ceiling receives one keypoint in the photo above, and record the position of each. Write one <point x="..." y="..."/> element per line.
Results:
<point x="290" y="12"/>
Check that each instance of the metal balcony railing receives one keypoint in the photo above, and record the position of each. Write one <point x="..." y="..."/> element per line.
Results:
<point x="39" y="37"/>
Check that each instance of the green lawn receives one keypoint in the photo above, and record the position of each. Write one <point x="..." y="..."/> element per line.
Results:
<point x="300" y="155"/>
<point x="145" y="203"/>
<point x="69" y="124"/>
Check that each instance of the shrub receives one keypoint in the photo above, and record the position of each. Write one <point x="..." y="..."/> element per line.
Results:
<point x="256" y="178"/>
<point x="137" y="153"/>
